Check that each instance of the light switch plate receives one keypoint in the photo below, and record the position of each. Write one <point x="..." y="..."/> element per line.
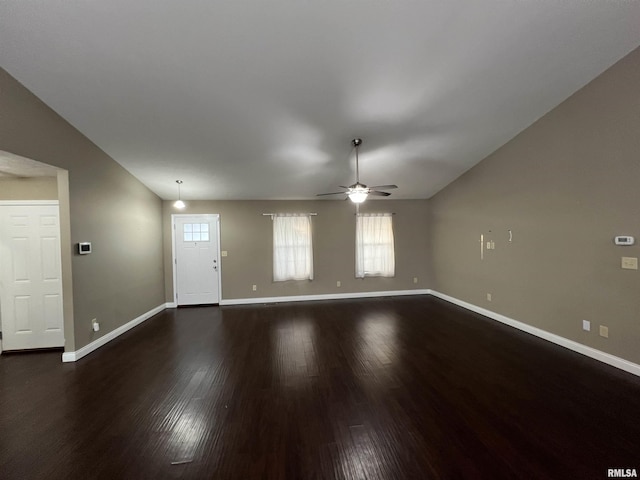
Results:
<point x="223" y="253"/>
<point x="630" y="263"/>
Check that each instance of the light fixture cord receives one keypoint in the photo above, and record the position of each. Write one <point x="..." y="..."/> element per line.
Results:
<point x="357" y="167"/>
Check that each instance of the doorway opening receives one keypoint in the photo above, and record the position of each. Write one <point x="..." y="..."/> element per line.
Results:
<point x="36" y="297"/>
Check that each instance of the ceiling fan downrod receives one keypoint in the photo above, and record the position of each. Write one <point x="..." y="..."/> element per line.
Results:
<point x="356" y="142"/>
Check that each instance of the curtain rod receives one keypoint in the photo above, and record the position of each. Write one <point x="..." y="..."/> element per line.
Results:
<point x="379" y="213"/>
<point x="273" y="214"/>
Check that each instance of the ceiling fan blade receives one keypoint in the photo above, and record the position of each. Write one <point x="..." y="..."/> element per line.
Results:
<point x="379" y="194"/>
<point x="384" y="187"/>
<point x="342" y="186"/>
<point x="332" y="193"/>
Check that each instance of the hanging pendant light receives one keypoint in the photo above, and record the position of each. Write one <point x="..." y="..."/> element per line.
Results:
<point x="179" y="203"/>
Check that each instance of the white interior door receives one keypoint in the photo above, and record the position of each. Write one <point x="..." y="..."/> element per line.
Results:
<point x="196" y="262"/>
<point x="30" y="277"/>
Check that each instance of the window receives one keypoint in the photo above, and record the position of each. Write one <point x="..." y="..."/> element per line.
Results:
<point x="196" y="232"/>
<point x="292" y="249"/>
<point x="375" y="256"/>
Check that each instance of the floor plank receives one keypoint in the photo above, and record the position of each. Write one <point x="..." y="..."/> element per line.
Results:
<point x="406" y="387"/>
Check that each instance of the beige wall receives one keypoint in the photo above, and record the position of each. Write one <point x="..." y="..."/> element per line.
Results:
<point x="565" y="187"/>
<point x="30" y="188"/>
<point x="123" y="278"/>
<point x="247" y="237"/>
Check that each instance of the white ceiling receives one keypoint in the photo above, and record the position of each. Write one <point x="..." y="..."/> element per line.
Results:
<point x="252" y="99"/>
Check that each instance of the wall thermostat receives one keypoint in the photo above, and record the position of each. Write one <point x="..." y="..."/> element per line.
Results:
<point x="84" y="248"/>
<point x="624" y="240"/>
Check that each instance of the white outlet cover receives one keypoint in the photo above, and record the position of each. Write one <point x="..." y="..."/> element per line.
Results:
<point x="586" y="325"/>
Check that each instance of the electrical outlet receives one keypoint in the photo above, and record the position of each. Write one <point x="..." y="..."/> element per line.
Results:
<point x="586" y="325"/>
<point x="415" y="279"/>
<point x="604" y="331"/>
<point x="95" y="325"/>
<point x="338" y="283"/>
<point x="488" y="297"/>
<point x="254" y="288"/>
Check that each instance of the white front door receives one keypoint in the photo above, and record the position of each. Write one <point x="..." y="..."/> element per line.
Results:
<point x="196" y="262"/>
<point x="30" y="277"/>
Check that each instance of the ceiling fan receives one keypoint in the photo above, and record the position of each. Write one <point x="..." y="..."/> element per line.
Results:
<point x="358" y="192"/>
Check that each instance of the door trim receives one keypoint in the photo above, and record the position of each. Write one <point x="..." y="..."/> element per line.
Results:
<point x="174" y="217"/>
<point x="27" y="203"/>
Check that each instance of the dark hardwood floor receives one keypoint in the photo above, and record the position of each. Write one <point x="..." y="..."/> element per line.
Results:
<point x="396" y="388"/>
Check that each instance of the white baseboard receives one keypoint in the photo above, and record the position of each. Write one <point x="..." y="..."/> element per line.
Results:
<point x="172" y="304"/>
<point x="87" y="349"/>
<point x="324" y="296"/>
<point x="604" y="357"/>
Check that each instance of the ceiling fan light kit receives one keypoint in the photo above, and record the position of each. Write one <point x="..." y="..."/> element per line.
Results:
<point x="358" y="192"/>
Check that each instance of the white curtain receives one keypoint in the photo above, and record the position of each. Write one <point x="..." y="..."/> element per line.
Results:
<point x="292" y="247"/>
<point x="375" y="255"/>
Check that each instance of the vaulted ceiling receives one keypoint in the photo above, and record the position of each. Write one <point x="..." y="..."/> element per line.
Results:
<point x="251" y="99"/>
